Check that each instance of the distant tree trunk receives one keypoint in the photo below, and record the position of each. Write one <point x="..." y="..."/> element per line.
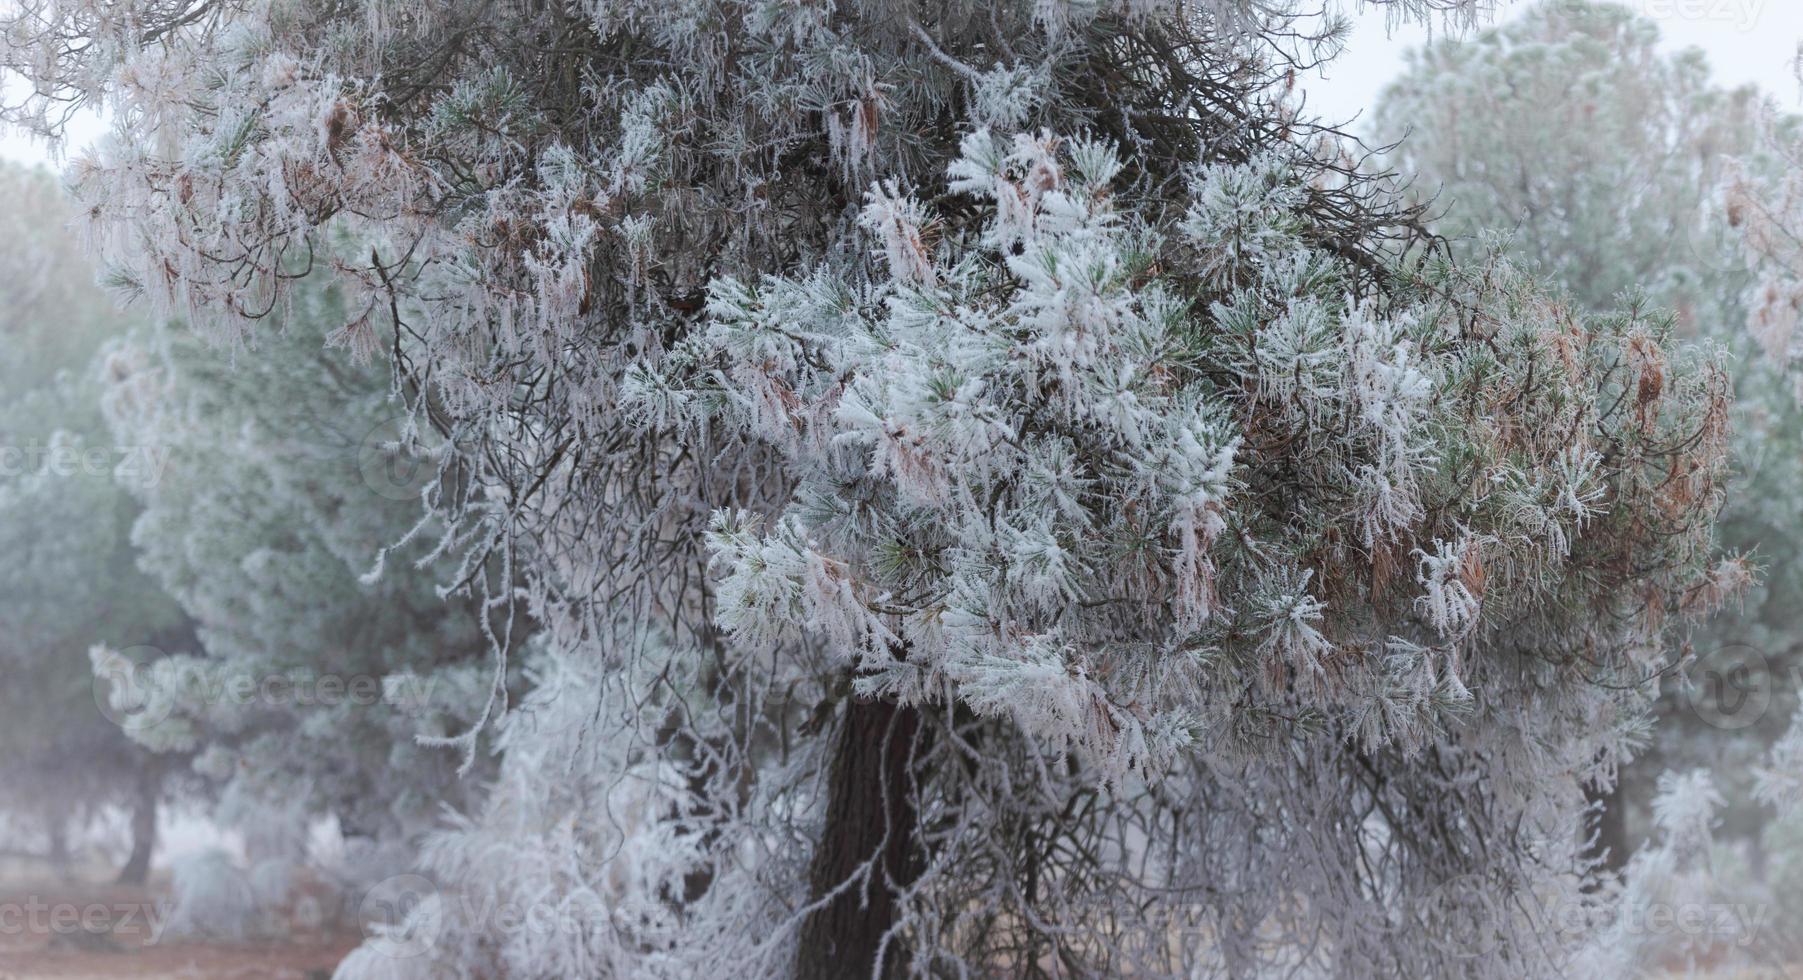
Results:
<point x="59" y="847"/>
<point x="870" y="809"/>
<point x="1609" y="820"/>
<point x="143" y="827"/>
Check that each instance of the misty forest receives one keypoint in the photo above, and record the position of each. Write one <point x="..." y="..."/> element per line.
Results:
<point x="837" y="489"/>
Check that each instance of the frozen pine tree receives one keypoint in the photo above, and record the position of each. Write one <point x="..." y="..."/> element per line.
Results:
<point x="65" y="518"/>
<point x="1628" y="196"/>
<point x="303" y="685"/>
<point x="1005" y="495"/>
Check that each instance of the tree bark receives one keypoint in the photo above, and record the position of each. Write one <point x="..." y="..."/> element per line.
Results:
<point x="1609" y="819"/>
<point x="143" y="827"/>
<point x="869" y="818"/>
<point x="59" y="847"/>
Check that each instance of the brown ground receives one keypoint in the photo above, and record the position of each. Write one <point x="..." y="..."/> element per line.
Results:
<point x="115" y="940"/>
<point x="67" y="951"/>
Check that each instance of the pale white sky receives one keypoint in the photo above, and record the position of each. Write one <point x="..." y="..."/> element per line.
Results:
<point x="18" y="147"/>
<point x="1747" y="41"/>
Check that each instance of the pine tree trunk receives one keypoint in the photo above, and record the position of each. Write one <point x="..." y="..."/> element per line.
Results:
<point x="143" y="828"/>
<point x="870" y="809"/>
<point x="1610" y="821"/>
<point x="59" y="847"/>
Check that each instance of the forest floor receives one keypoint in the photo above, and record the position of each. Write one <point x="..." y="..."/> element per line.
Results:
<point x="75" y="931"/>
<point x="84" y="931"/>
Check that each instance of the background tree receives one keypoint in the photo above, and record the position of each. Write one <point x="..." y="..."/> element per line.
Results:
<point x="1605" y="162"/>
<point x="70" y="580"/>
<point x="281" y="490"/>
